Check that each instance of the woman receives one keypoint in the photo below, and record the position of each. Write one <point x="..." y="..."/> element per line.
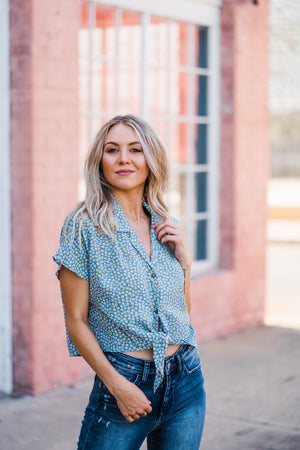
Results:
<point x="124" y="271"/>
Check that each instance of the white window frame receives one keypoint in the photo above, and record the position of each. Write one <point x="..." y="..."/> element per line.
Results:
<point x="203" y="13"/>
<point x="5" y="225"/>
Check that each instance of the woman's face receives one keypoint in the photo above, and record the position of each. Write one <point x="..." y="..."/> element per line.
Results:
<point x="123" y="162"/>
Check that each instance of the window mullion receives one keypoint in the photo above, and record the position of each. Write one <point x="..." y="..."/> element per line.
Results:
<point x="214" y="143"/>
<point x="190" y="178"/>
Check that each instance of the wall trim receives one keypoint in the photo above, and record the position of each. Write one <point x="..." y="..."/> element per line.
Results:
<point x="206" y="12"/>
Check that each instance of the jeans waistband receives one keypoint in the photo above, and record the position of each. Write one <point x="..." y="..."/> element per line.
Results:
<point x="144" y="366"/>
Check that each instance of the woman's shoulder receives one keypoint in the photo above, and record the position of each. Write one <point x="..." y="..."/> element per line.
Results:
<point x="80" y="226"/>
<point x="77" y="224"/>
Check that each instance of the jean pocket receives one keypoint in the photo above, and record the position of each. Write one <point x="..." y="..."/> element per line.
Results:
<point x="128" y="371"/>
<point x="191" y="361"/>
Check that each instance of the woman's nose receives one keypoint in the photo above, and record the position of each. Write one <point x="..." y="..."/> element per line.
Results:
<point x="124" y="157"/>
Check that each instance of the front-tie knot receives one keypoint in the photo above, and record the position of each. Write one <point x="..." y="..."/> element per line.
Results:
<point x="160" y="345"/>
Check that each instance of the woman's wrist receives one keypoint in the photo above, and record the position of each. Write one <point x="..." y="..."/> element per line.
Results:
<point x="112" y="381"/>
<point x="186" y="265"/>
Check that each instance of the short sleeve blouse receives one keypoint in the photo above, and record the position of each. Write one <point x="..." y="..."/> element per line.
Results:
<point x="135" y="302"/>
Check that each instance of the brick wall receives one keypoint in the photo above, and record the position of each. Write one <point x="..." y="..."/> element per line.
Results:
<point x="44" y="162"/>
<point x="232" y="298"/>
<point x="44" y="145"/>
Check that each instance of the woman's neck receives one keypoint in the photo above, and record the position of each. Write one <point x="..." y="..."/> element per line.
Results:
<point x="131" y="205"/>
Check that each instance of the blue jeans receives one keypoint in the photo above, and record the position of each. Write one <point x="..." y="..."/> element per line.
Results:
<point x="178" y="406"/>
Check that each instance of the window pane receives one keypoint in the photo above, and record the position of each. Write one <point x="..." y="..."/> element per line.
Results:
<point x="189" y="94"/>
<point x="201" y="191"/>
<point x="104" y="82"/>
<point x="177" y="195"/>
<point x="201" y="144"/>
<point x="161" y="128"/>
<point x="179" y="92"/>
<point x="130" y="89"/>
<point x="130" y="36"/>
<point x="201" y="240"/>
<point x="202" y="47"/>
<point x="104" y="34"/>
<point x="158" y="85"/>
<point x="158" y="41"/>
<point x="178" y="144"/>
<point x="179" y="44"/>
<point x="201" y="95"/>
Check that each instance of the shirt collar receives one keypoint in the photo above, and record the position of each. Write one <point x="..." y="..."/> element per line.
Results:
<point x="121" y="221"/>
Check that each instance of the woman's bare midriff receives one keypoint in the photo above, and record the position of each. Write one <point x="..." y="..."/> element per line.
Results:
<point x="148" y="353"/>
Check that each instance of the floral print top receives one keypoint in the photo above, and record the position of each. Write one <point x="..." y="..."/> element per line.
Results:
<point x="135" y="302"/>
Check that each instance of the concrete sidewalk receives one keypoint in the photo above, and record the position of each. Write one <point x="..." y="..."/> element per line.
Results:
<point x="253" y="399"/>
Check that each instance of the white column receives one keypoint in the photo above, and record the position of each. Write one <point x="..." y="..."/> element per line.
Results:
<point x="5" y="226"/>
<point x="214" y="96"/>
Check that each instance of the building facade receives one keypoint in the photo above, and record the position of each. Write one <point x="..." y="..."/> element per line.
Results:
<point x="198" y="71"/>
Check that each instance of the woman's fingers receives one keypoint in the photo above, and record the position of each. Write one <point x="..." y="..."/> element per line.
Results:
<point x="137" y="415"/>
<point x="173" y="234"/>
<point x="163" y="223"/>
<point x="165" y="227"/>
<point x="169" y="238"/>
<point x="132" y="401"/>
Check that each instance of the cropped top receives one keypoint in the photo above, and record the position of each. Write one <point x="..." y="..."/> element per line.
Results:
<point x="135" y="303"/>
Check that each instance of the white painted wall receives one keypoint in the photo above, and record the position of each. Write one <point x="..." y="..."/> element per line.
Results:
<point x="5" y="233"/>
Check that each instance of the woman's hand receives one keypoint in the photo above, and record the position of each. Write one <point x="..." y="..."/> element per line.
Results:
<point x="131" y="400"/>
<point x="173" y="234"/>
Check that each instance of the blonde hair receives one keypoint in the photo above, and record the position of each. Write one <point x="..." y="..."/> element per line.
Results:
<point x="98" y="200"/>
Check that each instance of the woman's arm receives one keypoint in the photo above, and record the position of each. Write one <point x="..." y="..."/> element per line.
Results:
<point x="131" y="400"/>
<point x="173" y="233"/>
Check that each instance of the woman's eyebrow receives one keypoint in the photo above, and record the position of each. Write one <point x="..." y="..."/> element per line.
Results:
<point x="114" y="143"/>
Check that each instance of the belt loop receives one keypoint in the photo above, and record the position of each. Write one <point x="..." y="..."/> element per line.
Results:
<point x="145" y="371"/>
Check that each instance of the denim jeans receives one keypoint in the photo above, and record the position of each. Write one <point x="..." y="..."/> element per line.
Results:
<point x="178" y="406"/>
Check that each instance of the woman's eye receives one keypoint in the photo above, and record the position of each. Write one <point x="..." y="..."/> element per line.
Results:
<point x="135" y="149"/>
<point x="112" y="150"/>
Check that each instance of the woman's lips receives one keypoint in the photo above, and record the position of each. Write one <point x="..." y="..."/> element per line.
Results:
<point x="124" y="172"/>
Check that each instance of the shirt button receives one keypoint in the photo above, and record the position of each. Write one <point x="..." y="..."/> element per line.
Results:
<point x="153" y="274"/>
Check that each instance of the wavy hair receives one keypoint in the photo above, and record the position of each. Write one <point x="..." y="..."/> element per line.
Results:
<point x="98" y="200"/>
